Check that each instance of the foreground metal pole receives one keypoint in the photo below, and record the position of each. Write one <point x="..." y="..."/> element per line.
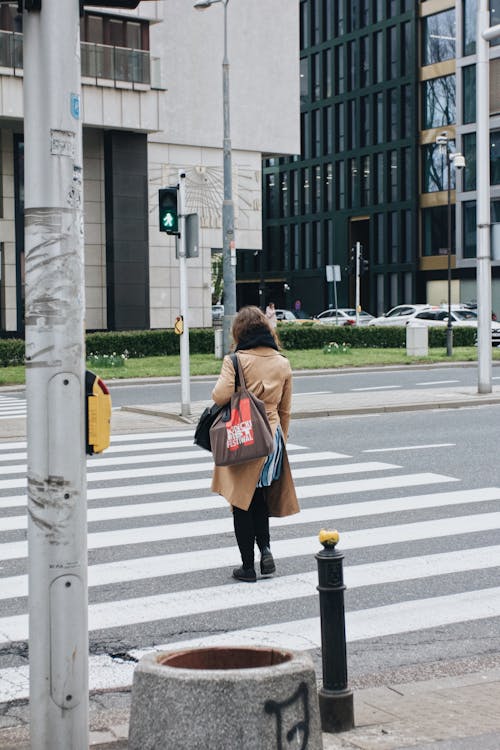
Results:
<point x="449" y="329"/>
<point x="335" y="699"/>
<point x="229" y="245"/>
<point x="183" y="295"/>
<point x="484" y="356"/>
<point x="55" y="386"/>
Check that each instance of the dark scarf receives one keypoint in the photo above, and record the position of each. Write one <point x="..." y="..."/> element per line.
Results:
<point x="259" y="336"/>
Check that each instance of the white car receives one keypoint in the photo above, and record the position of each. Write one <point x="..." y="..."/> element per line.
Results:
<point x="345" y="316"/>
<point x="401" y="315"/>
<point x="460" y="316"/>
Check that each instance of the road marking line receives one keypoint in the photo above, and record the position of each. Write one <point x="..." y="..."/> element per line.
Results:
<point x="408" y="448"/>
<point x="437" y="382"/>
<point x="376" y="388"/>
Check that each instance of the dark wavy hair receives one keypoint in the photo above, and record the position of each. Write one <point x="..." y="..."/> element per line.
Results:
<point x="251" y="320"/>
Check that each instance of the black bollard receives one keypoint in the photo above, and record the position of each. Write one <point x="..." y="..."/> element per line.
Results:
<point x="335" y="699"/>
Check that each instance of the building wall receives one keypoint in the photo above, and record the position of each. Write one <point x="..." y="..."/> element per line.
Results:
<point x="94" y="228"/>
<point x="204" y="192"/>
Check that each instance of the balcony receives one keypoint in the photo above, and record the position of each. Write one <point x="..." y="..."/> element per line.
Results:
<point x="99" y="61"/>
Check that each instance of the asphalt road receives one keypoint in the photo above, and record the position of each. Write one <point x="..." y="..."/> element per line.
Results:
<point x="457" y="449"/>
<point x="330" y="382"/>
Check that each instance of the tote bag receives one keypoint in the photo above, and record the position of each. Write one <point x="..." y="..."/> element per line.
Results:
<point x="242" y="431"/>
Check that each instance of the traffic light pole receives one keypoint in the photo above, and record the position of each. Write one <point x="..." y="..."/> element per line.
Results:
<point x="183" y="294"/>
<point x="55" y="378"/>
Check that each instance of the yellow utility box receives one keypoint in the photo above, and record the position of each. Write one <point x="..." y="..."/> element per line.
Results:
<point x="98" y="413"/>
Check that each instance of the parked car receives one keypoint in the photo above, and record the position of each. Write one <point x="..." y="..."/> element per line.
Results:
<point x="345" y="316"/>
<point x="400" y="315"/>
<point x="433" y="315"/>
<point x="288" y="316"/>
<point x="217" y="313"/>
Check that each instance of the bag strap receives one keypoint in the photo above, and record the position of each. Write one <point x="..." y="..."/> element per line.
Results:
<point x="239" y="378"/>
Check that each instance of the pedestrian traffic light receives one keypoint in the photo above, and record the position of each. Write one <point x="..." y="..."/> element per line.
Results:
<point x="167" y="207"/>
<point x="97" y="414"/>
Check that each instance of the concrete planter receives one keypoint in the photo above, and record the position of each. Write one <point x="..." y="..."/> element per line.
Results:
<point x="225" y="699"/>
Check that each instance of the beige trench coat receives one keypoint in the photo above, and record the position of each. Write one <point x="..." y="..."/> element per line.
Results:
<point x="267" y="374"/>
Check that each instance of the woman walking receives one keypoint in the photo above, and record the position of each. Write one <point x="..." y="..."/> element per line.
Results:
<point x="263" y="487"/>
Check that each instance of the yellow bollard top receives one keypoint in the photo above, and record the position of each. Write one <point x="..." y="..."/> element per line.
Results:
<point x="329" y="538"/>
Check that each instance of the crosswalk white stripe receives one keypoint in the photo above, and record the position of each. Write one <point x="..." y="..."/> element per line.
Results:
<point x="143" y="448"/>
<point x="376" y="622"/>
<point x="161" y="471"/>
<point x="143" y="535"/>
<point x="129" y="437"/>
<point x="313" y="490"/>
<point x="106" y="672"/>
<point x="160" y="566"/>
<point x="220" y="598"/>
<point x="176" y="456"/>
<point x="347" y="510"/>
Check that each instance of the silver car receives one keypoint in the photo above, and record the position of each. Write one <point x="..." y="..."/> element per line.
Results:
<point x="343" y="316"/>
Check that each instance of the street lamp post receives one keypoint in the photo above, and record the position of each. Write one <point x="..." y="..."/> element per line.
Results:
<point x="485" y="34"/>
<point x="444" y="145"/>
<point x="228" y="241"/>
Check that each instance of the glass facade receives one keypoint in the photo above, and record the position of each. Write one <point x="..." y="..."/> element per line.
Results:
<point x="439" y="102"/>
<point x="438" y="37"/>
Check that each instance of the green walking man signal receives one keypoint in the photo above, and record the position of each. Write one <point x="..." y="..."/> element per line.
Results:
<point x="167" y="207"/>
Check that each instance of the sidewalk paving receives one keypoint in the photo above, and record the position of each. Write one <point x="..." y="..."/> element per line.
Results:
<point x="457" y="712"/>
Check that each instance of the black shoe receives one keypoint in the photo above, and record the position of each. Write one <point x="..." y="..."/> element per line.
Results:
<point x="267" y="566"/>
<point x="245" y="574"/>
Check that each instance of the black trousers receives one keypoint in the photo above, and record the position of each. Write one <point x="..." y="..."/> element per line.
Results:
<point x="252" y="526"/>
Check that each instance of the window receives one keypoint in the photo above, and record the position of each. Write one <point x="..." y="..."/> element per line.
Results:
<point x="328" y="130"/>
<point x="435" y="230"/>
<point x="284" y="194"/>
<point x="329" y="186"/>
<point x="407" y="241"/>
<point x="495" y="18"/>
<point x="393" y="114"/>
<point x="470" y="18"/>
<point x="304" y="80"/>
<point x="379" y="56"/>
<point x="394" y="236"/>
<point x="495" y="86"/>
<point x="380" y="237"/>
<point x="339" y="70"/>
<point x="406" y="48"/>
<point x="438" y="37"/>
<point x="306" y="186"/>
<point x="469" y="229"/>
<point x="352" y="64"/>
<point x="495" y="157"/>
<point x="379" y="10"/>
<point x="365" y="181"/>
<point x="469" y="93"/>
<point x="340" y="180"/>
<point x="438" y="104"/>
<point x="352" y="124"/>
<point x="394" y="176"/>
<point x="316" y="20"/>
<point x="380" y="174"/>
<point x="317" y="187"/>
<point x="316" y="76"/>
<point x="379" y="117"/>
<point x="364" y="62"/>
<point x="407" y="124"/>
<point x="469" y="147"/>
<point x="316" y="132"/>
<point x="365" y="121"/>
<point x="327" y="73"/>
<point x="338" y="19"/>
<point x="353" y="170"/>
<point x="304" y="25"/>
<point x="340" y="127"/>
<point x="408" y="175"/>
<point x="435" y="169"/>
<point x="393" y="52"/>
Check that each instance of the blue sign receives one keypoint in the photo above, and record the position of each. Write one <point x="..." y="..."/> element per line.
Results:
<point x="75" y="106"/>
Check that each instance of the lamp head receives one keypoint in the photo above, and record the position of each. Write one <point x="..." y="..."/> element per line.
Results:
<point x="442" y="140"/>
<point x="202" y="4"/>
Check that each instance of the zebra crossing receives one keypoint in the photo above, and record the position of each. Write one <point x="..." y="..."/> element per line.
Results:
<point x="12" y="407"/>
<point x="161" y="551"/>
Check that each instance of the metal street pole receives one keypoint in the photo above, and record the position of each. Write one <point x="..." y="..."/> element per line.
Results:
<point x="484" y="35"/>
<point x="449" y="329"/>
<point x="229" y="245"/>
<point x="55" y="378"/>
<point x="358" y="273"/>
<point x="183" y="294"/>
<point x="228" y="238"/>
